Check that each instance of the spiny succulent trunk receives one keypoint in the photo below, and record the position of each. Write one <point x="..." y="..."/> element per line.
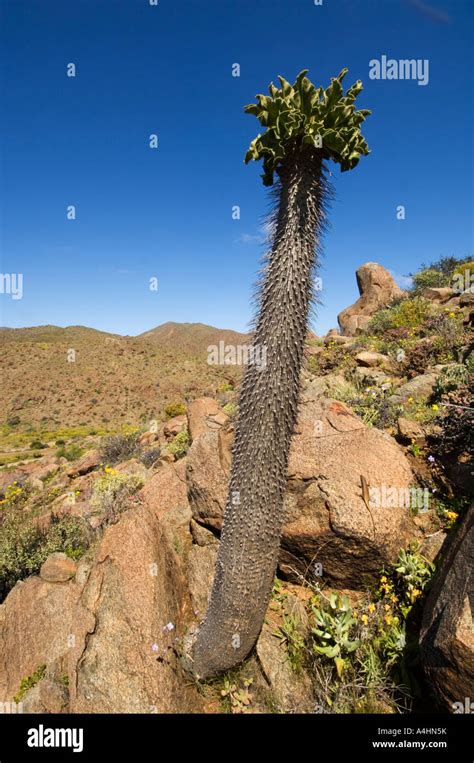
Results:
<point x="250" y="541"/>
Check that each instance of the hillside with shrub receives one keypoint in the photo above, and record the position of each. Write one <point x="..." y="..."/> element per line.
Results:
<point x="119" y="530"/>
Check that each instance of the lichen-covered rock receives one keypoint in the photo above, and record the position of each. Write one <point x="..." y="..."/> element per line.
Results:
<point x="132" y="608"/>
<point x="447" y="631"/>
<point x="207" y="475"/>
<point x="328" y="520"/>
<point x="371" y="359"/>
<point x="326" y="517"/>
<point x="36" y="628"/>
<point x="419" y="387"/>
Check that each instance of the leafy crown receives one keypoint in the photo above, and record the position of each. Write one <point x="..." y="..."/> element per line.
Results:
<point x="302" y="114"/>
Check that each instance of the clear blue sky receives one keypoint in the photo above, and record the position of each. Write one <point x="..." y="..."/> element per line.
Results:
<point x="167" y="212"/>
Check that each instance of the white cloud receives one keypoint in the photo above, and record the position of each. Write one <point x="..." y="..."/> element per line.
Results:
<point x="247" y="238"/>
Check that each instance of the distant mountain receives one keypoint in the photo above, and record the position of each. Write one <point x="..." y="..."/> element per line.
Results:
<point x="53" y="377"/>
<point x="194" y="338"/>
<point x="49" y="333"/>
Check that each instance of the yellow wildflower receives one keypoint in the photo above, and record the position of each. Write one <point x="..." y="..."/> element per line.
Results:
<point x="451" y="515"/>
<point x="435" y="407"/>
<point x="371" y="607"/>
<point x="365" y="619"/>
<point x="388" y="619"/>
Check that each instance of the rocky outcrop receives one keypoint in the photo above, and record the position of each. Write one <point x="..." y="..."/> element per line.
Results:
<point x="58" y="568"/>
<point x="201" y="566"/>
<point x="377" y="289"/>
<point x="292" y="691"/>
<point x="204" y="415"/>
<point x="466" y="299"/>
<point x="207" y="475"/>
<point x="371" y="359"/>
<point x="30" y="472"/>
<point x="419" y="387"/>
<point x="84" y="465"/>
<point x="447" y="632"/>
<point x="327" y="520"/>
<point x="441" y="294"/>
<point x="129" y="615"/>
<point x="174" y="426"/>
<point x="337" y="338"/>
<point x="36" y="628"/>
<point x="410" y="431"/>
<point x="112" y="631"/>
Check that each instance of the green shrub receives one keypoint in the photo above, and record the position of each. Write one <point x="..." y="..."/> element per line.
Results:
<point x="225" y="387"/>
<point x="331" y="357"/>
<point x="407" y="314"/>
<point x="111" y="492"/>
<point x="462" y="277"/>
<point x="445" y="265"/>
<point x="175" y="409"/>
<point x="449" y="510"/>
<point x="179" y="445"/>
<point x="450" y="378"/>
<point x="120" y="447"/>
<point x="370" y="403"/>
<point x="237" y="698"/>
<point x="71" y="454"/>
<point x="359" y="655"/>
<point x="411" y="313"/>
<point x="69" y="535"/>
<point x="24" y="548"/>
<point x="407" y="580"/>
<point x="231" y="409"/>
<point x="150" y="457"/>
<point x="37" y="445"/>
<point x="14" y="496"/>
<point x="380" y="322"/>
<point x="429" y="278"/>
<point x="291" y="637"/>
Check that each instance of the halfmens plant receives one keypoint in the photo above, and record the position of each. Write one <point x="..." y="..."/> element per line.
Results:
<point x="304" y="127"/>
